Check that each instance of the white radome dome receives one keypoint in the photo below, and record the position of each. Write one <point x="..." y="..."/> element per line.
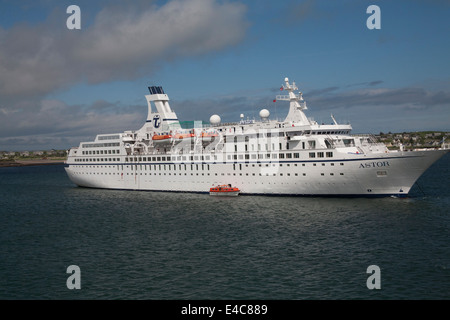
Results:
<point x="264" y="113"/>
<point x="214" y="119"/>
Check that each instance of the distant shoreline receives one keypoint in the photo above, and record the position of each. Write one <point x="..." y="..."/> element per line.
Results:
<point x="23" y="163"/>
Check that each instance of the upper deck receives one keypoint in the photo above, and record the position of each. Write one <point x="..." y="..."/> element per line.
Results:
<point x="162" y="133"/>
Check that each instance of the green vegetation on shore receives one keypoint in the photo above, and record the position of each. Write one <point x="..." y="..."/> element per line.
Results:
<point x="413" y="140"/>
<point x="11" y="156"/>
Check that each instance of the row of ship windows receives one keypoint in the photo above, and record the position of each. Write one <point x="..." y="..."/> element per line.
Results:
<point x="295" y="155"/>
<point x="202" y="166"/>
<point x="229" y="174"/>
<point x="163" y="159"/>
<point x="320" y="154"/>
<point x="100" y="145"/>
<point x="110" y="137"/>
<point x="98" y="160"/>
<point x="101" y="152"/>
<point x="379" y="174"/>
<point x="276" y="133"/>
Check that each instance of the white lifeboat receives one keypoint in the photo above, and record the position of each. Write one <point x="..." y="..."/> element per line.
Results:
<point x="187" y="136"/>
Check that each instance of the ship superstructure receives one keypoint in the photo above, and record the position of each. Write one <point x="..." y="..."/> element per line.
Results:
<point x="296" y="156"/>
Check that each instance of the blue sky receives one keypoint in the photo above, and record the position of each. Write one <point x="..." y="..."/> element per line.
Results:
<point x="59" y="87"/>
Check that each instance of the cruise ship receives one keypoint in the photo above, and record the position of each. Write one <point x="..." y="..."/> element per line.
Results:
<point x="295" y="156"/>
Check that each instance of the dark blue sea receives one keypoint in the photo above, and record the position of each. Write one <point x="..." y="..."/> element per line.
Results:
<point x="179" y="246"/>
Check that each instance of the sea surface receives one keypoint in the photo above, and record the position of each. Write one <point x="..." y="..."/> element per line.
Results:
<point x="177" y="246"/>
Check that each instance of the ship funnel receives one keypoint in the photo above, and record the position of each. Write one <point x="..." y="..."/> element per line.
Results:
<point x="156" y="90"/>
<point x="163" y="118"/>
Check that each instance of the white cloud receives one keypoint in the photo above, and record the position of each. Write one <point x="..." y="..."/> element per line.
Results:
<point x="123" y="42"/>
<point x="55" y="124"/>
<point x="400" y="97"/>
<point x="130" y="42"/>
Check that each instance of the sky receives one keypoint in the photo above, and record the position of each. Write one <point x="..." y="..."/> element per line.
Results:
<point x="61" y="86"/>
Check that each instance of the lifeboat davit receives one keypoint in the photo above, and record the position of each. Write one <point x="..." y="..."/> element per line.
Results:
<point x="208" y="137"/>
<point x="224" y="190"/>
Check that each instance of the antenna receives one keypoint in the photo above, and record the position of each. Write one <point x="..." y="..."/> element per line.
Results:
<point x="334" y="120"/>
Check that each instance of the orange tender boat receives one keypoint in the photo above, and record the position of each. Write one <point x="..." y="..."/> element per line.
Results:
<point x="224" y="190"/>
<point x="160" y="137"/>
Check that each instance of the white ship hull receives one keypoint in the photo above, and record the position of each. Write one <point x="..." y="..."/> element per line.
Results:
<point x="296" y="156"/>
<point x="390" y="174"/>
